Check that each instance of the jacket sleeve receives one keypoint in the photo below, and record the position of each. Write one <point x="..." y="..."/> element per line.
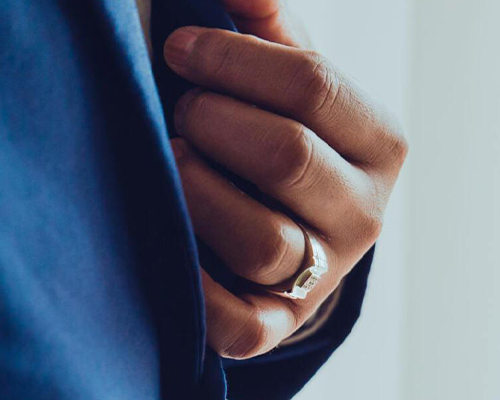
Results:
<point x="280" y="374"/>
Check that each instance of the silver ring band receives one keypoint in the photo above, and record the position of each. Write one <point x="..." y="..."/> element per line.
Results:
<point x="315" y="265"/>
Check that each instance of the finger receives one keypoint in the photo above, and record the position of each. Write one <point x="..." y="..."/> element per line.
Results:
<point x="252" y="9"/>
<point x="256" y="243"/>
<point x="243" y="329"/>
<point x="295" y="83"/>
<point x="268" y="19"/>
<point x="254" y="323"/>
<point x="284" y="159"/>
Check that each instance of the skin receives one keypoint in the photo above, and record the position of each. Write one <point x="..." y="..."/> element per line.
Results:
<point x="282" y="117"/>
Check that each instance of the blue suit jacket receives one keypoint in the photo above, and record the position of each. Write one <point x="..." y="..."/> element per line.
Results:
<point x="100" y="294"/>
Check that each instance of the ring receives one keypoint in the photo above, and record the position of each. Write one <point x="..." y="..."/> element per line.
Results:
<point x="315" y="264"/>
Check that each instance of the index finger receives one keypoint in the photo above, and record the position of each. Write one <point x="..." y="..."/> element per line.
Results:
<point x="298" y="84"/>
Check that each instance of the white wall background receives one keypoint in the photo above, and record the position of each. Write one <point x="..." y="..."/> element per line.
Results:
<point x="430" y="327"/>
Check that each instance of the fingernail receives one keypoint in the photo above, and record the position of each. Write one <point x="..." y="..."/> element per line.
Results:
<point x="179" y="45"/>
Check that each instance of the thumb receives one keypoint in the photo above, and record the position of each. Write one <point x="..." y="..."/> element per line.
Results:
<point x="268" y="19"/>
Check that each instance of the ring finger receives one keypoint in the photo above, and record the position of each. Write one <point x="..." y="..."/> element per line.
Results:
<point x="257" y="243"/>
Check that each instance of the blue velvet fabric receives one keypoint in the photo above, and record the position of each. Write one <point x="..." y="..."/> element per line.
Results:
<point x="100" y="294"/>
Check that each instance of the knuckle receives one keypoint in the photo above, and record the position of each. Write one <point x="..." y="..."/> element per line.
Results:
<point x="273" y="247"/>
<point x="366" y="207"/>
<point x="368" y="214"/>
<point x="393" y="143"/>
<point x="250" y="341"/>
<point x="318" y="84"/>
<point x="191" y="110"/>
<point x="223" y="54"/>
<point x="199" y="105"/>
<point x="290" y="163"/>
<point x="398" y="147"/>
<point x="370" y="227"/>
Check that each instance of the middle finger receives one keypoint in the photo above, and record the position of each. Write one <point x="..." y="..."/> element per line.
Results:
<point x="282" y="157"/>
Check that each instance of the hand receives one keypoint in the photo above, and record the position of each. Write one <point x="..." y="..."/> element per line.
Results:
<point x="314" y="143"/>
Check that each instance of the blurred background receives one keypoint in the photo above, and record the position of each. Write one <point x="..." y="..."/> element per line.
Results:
<point x="430" y="326"/>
